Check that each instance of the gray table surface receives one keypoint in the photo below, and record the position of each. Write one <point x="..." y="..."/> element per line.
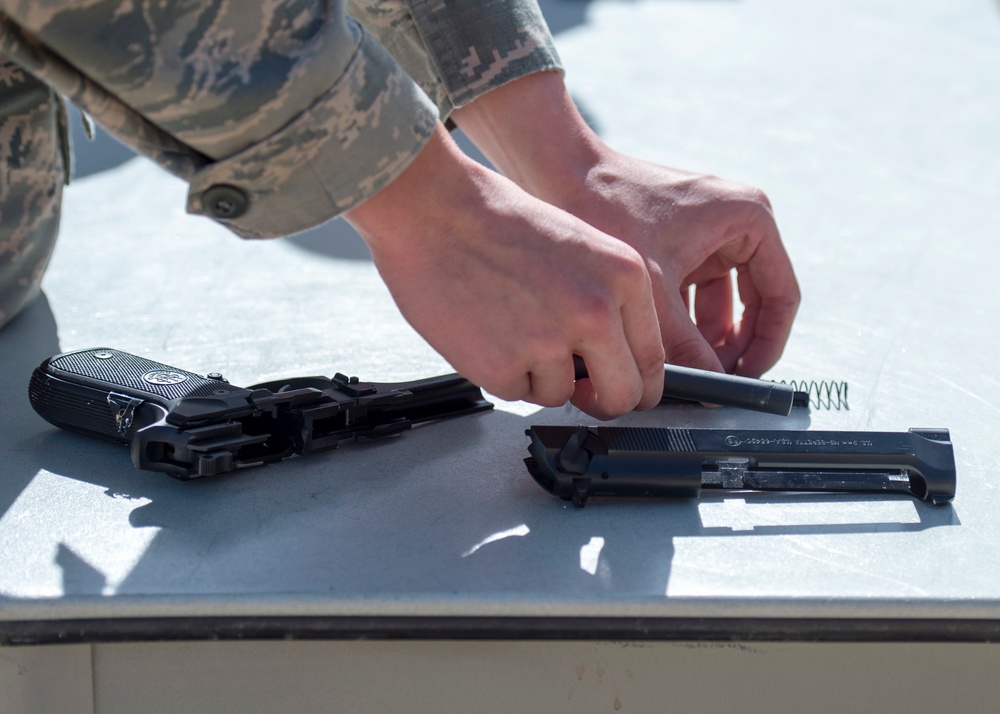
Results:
<point x="873" y="126"/>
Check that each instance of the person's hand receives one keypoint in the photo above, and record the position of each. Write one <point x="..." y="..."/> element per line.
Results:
<point x="690" y="229"/>
<point x="508" y="288"/>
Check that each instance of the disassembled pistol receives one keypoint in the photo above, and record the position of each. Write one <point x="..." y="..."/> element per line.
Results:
<point x="576" y="463"/>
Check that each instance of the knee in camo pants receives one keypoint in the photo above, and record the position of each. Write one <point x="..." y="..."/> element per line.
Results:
<point x="34" y="165"/>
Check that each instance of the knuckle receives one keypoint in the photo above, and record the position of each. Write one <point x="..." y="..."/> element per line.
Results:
<point x="551" y="378"/>
<point x="650" y="361"/>
<point x="794" y="299"/>
<point x="593" y="313"/>
<point x="786" y="304"/>
<point x="630" y="269"/>
<point x="757" y="196"/>
<point x="743" y="193"/>
<point x="507" y="383"/>
<point x="746" y="197"/>
<point x="722" y="189"/>
<point x="624" y="400"/>
<point x="688" y="352"/>
<point x="507" y="394"/>
<point x="627" y="281"/>
<point x="551" y="352"/>
<point x="553" y="396"/>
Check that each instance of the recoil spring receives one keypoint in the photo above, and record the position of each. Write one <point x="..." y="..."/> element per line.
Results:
<point x="823" y="394"/>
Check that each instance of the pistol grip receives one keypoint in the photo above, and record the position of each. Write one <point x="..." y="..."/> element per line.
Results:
<point x="110" y="394"/>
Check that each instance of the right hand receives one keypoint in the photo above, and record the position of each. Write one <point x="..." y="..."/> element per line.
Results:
<point x="508" y="288"/>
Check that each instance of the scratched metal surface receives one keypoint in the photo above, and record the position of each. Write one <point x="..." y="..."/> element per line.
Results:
<point x="873" y="127"/>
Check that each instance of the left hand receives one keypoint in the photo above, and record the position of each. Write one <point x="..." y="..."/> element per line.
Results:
<point x="690" y="229"/>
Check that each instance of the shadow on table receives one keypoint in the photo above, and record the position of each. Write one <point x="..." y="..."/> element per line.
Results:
<point x="27" y="340"/>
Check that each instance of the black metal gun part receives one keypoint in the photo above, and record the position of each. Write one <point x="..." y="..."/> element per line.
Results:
<point x="687" y="384"/>
<point x="576" y="463"/>
<point x="188" y="425"/>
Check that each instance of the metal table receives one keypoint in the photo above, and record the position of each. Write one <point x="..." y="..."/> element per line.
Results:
<point x="432" y="562"/>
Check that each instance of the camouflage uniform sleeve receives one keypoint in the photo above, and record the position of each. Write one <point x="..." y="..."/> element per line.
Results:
<point x="479" y="45"/>
<point x="459" y="49"/>
<point x="279" y="115"/>
<point x="392" y="23"/>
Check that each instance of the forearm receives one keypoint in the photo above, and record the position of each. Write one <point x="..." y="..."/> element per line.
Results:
<point x="531" y="130"/>
<point x="398" y="221"/>
<point x="469" y="259"/>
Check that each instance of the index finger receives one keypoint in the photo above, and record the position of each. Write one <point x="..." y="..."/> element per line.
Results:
<point x="625" y="372"/>
<point x="770" y="294"/>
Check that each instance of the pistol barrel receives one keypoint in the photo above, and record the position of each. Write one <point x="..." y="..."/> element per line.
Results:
<point x="725" y="390"/>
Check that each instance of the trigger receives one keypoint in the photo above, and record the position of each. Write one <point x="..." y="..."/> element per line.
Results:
<point x="125" y="407"/>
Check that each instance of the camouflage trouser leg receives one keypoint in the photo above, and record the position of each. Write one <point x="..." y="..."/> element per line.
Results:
<point x="33" y="168"/>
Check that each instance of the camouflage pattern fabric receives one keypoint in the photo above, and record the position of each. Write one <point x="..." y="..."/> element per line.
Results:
<point x="478" y="45"/>
<point x="458" y="49"/>
<point x="392" y="23"/>
<point x="35" y="165"/>
<point x="126" y="124"/>
<point x="280" y="114"/>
